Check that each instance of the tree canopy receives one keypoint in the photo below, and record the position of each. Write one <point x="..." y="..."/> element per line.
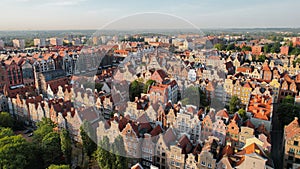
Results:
<point x="287" y="111"/>
<point x="5" y="132"/>
<point x="220" y="46"/>
<point x="242" y="113"/>
<point x="88" y="137"/>
<point x="51" y="147"/>
<point x="58" y="167"/>
<point x="16" y="152"/>
<point x="234" y="104"/>
<point x="66" y="145"/>
<point x="45" y="126"/>
<point x="135" y="90"/>
<point x="6" y="120"/>
<point x="246" y="48"/>
<point x="146" y="86"/>
<point x="111" y="155"/>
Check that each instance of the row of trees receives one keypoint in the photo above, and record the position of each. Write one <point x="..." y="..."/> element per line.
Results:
<point x="111" y="155"/>
<point x="272" y="48"/>
<point x="231" y="46"/>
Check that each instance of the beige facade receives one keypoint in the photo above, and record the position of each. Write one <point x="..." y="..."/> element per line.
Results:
<point x="206" y="160"/>
<point x="176" y="159"/>
<point x="245" y="133"/>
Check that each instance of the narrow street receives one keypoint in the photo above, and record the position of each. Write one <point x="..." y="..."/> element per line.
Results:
<point x="276" y="140"/>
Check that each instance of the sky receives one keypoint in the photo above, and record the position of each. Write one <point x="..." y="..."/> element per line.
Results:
<point x="99" y="14"/>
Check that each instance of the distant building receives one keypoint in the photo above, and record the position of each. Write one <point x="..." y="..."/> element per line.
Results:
<point x="256" y="50"/>
<point x="39" y="42"/>
<point x="19" y="43"/>
<point x="56" y="41"/>
<point x="296" y="41"/>
<point x="1" y="44"/>
<point x="76" y="42"/>
<point x="284" y="50"/>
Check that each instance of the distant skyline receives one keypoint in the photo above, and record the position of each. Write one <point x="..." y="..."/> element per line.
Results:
<point x="94" y="14"/>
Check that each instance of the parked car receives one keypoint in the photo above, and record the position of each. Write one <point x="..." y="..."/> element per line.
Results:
<point x="28" y="131"/>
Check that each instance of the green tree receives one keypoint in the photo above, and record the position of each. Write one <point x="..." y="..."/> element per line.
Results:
<point x="6" y="120"/>
<point x="45" y="126"/>
<point x="119" y="152"/>
<point x="87" y="136"/>
<point x="261" y="58"/>
<point x="111" y="155"/>
<point x="51" y="147"/>
<point x="294" y="51"/>
<point x="288" y="100"/>
<point x="66" y="144"/>
<point x="267" y="48"/>
<point x="16" y="152"/>
<point x="287" y="112"/>
<point x="103" y="155"/>
<point x="219" y="46"/>
<point x="52" y="166"/>
<point x="275" y="48"/>
<point x="234" y="104"/>
<point x="230" y="47"/>
<point x="238" y="48"/>
<point x="29" y="43"/>
<point x="146" y="86"/>
<point x="135" y="90"/>
<point x="98" y="86"/>
<point x="246" y="48"/>
<point x="6" y="132"/>
<point x="242" y="113"/>
<point x="296" y="61"/>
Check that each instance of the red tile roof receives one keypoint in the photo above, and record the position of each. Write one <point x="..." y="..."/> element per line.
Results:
<point x="185" y="144"/>
<point x="292" y="129"/>
<point x="156" y="131"/>
<point x="222" y="113"/>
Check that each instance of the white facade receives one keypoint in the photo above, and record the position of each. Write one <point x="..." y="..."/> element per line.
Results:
<point x="192" y="75"/>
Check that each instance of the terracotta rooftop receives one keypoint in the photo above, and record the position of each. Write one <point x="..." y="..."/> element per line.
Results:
<point x="292" y="129"/>
<point x="156" y="131"/>
<point x="222" y="113"/>
<point x="260" y="106"/>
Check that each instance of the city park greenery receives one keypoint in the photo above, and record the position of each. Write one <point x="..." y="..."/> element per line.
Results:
<point x="47" y="146"/>
<point x="52" y="149"/>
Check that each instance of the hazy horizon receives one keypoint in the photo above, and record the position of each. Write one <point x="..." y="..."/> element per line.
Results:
<point x="92" y="14"/>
